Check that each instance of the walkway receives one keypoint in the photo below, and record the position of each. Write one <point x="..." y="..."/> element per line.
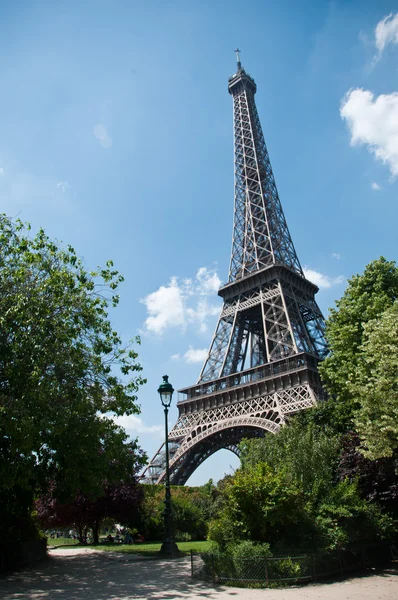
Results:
<point x="85" y="574"/>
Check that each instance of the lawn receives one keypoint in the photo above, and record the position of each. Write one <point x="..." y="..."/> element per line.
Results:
<point x="148" y="549"/>
<point x="55" y="542"/>
<point x="154" y="547"/>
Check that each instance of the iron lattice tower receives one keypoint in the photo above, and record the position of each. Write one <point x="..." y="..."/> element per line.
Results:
<point x="262" y="362"/>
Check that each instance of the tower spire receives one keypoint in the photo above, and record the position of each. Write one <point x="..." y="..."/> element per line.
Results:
<point x="261" y="236"/>
<point x="237" y="52"/>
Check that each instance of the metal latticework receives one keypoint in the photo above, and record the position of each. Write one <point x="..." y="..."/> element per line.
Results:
<point x="262" y="362"/>
<point x="260" y="237"/>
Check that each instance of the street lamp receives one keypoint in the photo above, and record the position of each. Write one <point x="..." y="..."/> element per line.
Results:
<point x="169" y="548"/>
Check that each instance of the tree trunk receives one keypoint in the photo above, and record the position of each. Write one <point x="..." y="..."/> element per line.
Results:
<point x="82" y="534"/>
<point x="95" y="529"/>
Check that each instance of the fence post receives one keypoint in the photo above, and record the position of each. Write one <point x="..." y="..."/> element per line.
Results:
<point x="213" y="574"/>
<point x="191" y="563"/>
<point x="313" y="567"/>
<point x="266" y="571"/>
<point x="363" y="557"/>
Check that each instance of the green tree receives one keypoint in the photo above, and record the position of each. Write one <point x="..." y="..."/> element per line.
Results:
<point x="62" y="369"/>
<point x="375" y="388"/>
<point x="319" y="512"/>
<point x="366" y="298"/>
<point x="259" y="505"/>
<point x="307" y="455"/>
<point x="191" y="506"/>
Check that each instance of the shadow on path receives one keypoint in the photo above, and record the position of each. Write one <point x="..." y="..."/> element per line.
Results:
<point x="101" y="576"/>
<point x="97" y="576"/>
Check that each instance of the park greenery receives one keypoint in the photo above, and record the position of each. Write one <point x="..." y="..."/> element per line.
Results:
<point x="326" y="481"/>
<point x="64" y="371"/>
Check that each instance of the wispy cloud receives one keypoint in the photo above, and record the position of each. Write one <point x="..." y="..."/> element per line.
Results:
<point x="336" y="255"/>
<point x="63" y="186"/>
<point x="373" y="122"/>
<point x="386" y="33"/>
<point x="2" y="171"/>
<point x="133" y="425"/>
<point x="182" y="302"/>
<point x="321" y="280"/>
<point x="102" y="135"/>
<point x="192" y="355"/>
<point x="209" y="282"/>
<point x="375" y="186"/>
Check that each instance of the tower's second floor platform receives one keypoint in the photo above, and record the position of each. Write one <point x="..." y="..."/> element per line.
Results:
<point x="262" y="380"/>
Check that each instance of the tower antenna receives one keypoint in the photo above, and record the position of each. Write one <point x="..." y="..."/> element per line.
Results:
<point x="237" y="51"/>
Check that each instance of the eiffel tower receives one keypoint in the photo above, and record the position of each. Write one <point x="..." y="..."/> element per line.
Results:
<point x="262" y="362"/>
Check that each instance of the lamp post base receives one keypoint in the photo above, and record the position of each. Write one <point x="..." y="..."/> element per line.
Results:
<point x="169" y="549"/>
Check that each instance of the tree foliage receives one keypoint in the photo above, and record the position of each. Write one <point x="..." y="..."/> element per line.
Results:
<point x="259" y="505"/>
<point x="289" y="494"/>
<point x="365" y="299"/>
<point x="307" y="455"/>
<point x="377" y="479"/>
<point x="120" y="502"/>
<point x="63" y="368"/>
<point x="375" y="388"/>
<point x="191" y="506"/>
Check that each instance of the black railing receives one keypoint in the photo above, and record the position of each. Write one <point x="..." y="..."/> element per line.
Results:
<point x="270" y="370"/>
<point x="284" y="570"/>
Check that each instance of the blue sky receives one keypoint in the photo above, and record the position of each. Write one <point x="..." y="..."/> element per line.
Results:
<point x="116" y="136"/>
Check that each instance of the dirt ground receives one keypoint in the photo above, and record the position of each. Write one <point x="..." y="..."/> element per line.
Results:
<point x="84" y="574"/>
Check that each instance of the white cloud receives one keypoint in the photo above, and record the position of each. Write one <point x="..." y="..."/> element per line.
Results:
<point x="336" y="255"/>
<point x="2" y="171"/>
<point x="375" y="186"/>
<point x="182" y="302"/>
<point x="201" y="312"/>
<point x="193" y="355"/>
<point x="208" y="280"/>
<point x="63" y="185"/>
<point x="322" y="281"/>
<point x="175" y="356"/>
<point x="102" y="135"/>
<point x="386" y="32"/>
<point x="165" y="308"/>
<point x="133" y="425"/>
<point x="374" y="123"/>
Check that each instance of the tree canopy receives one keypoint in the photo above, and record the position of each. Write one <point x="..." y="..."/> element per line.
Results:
<point x="63" y="369"/>
<point x="375" y="387"/>
<point x="365" y="299"/>
<point x="120" y="502"/>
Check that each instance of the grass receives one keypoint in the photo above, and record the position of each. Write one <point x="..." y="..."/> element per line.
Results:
<point x="150" y="549"/>
<point x="154" y="547"/>
<point x="55" y="542"/>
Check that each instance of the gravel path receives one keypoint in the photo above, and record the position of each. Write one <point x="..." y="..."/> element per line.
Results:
<point x="85" y="574"/>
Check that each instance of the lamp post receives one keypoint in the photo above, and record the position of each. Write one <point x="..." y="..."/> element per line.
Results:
<point x="169" y="548"/>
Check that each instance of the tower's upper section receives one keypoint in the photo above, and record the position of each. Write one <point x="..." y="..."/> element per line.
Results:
<point x="241" y="80"/>
<point x="261" y="237"/>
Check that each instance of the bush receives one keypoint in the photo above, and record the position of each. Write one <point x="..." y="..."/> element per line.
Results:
<point x="182" y="536"/>
<point x="248" y="559"/>
<point x="259" y="505"/>
<point x="246" y="550"/>
<point x="221" y="531"/>
<point x="285" y="569"/>
<point x="243" y="560"/>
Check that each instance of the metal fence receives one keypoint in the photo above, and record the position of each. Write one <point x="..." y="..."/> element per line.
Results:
<point x="285" y="570"/>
